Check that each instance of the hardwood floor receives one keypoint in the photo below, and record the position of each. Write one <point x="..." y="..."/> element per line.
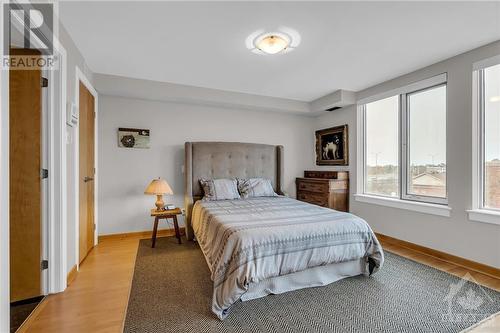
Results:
<point x="97" y="299"/>
<point x="442" y="265"/>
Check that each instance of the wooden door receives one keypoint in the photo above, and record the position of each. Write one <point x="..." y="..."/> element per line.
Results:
<point x="86" y="167"/>
<point x="25" y="181"/>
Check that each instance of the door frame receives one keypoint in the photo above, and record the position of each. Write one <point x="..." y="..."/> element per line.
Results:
<point x="4" y="195"/>
<point x="56" y="247"/>
<point x="57" y="183"/>
<point x="54" y="188"/>
<point x="54" y="191"/>
<point x="80" y="77"/>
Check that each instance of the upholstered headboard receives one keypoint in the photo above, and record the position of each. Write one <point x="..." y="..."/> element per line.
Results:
<point x="228" y="160"/>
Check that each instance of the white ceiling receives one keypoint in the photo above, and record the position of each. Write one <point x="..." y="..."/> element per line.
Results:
<point x="344" y="45"/>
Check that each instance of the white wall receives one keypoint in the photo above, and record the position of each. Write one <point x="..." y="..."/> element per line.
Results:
<point x="125" y="173"/>
<point x="456" y="234"/>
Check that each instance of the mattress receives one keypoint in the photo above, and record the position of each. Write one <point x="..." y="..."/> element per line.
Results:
<point x="249" y="241"/>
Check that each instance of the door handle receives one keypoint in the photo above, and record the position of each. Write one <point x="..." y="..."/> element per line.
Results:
<point x="88" y="179"/>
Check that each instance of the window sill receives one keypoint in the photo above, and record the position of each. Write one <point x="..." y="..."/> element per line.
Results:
<point x="484" y="215"/>
<point x="421" y="207"/>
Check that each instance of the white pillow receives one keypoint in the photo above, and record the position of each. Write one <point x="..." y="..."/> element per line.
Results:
<point x="256" y="187"/>
<point x="220" y="189"/>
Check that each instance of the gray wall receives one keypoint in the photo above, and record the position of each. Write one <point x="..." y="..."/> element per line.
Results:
<point x="456" y="234"/>
<point x="125" y="173"/>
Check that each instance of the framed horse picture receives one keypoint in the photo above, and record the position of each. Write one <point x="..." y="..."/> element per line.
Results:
<point x="332" y="146"/>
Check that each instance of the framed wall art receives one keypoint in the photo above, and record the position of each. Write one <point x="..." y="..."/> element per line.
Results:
<point x="133" y="138"/>
<point x="332" y="146"/>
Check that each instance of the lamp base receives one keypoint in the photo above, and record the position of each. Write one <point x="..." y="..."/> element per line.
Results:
<point x="160" y="205"/>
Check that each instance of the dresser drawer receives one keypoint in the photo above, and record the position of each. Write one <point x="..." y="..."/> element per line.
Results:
<point x="329" y="189"/>
<point x="316" y="199"/>
<point x="313" y="186"/>
<point x="340" y="175"/>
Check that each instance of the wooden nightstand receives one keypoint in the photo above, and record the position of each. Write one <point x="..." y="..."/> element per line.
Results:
<point x="166" y="214"/>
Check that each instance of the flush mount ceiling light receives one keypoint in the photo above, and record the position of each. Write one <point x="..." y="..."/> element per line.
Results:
<point x="495" y="99"/>
<point x="283" y="40"/>
<point x="272" y="43"/>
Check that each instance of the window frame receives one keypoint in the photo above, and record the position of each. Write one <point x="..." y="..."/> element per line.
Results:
<point x="433" y="205"/>
<point x="479" y="211"/>
<point x="481" y="139"/>
<point x="405" y="148"/>
<point x="365" y="170"/>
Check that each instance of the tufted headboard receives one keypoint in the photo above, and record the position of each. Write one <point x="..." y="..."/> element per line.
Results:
<point x="228" y="160"/>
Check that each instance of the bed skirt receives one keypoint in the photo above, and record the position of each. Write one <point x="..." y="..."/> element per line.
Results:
<point x="312" y="277"/>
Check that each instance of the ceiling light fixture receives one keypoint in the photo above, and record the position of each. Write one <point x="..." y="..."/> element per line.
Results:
<point x="495" y="99"/>
<point x="272" y="43"/>
<point x="283" y="40"/>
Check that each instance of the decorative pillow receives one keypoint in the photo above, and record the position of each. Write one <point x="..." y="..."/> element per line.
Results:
<point x="220" y="189"/>
<point x="256" y="187"/>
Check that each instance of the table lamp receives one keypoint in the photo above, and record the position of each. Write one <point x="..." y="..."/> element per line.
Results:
<point x="159" y="187"/>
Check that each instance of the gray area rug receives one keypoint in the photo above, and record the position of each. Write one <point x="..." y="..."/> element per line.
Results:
<point x="172" y="290"/>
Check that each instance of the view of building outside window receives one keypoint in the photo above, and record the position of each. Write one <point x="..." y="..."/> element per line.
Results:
<point x="427" y="142"/>
<point x="492" y="137"/>
<point x="382" y="147"/>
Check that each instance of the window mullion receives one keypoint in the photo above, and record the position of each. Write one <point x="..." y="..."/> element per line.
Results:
<point x="403" y="146"/>
<point x="365" y="166"/>
<point x="481" y="162"/>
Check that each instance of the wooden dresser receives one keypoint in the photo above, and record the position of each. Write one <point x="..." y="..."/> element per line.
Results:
<point x="325" y="188"/>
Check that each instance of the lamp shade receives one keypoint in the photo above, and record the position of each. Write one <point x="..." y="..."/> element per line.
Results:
<point x="158" y="187"/>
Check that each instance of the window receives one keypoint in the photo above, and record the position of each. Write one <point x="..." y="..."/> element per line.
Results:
<point x="486" y="142"/>
<point x="489" y="137"/>
<point x="491" y="161"/>
<point x="426" y="144"/>
<point x="382" y="149"/>
<point x="404" y="143"/>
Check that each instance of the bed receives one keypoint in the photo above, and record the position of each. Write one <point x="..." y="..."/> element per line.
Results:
<point x="268" y="245"/>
